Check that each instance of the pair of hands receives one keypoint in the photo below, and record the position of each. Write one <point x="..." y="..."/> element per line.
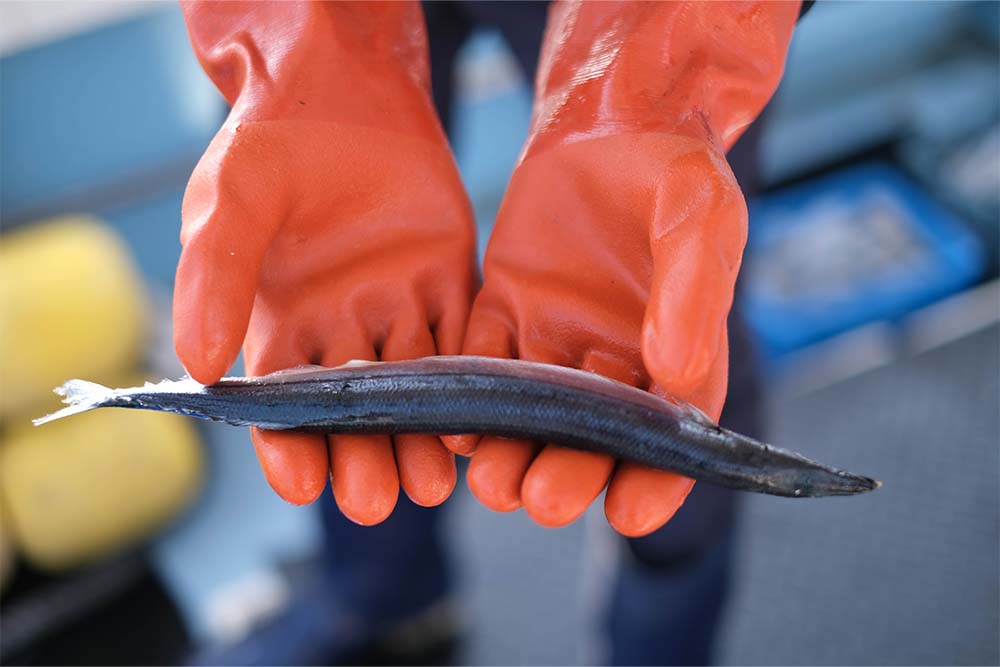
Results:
<point x="327" y="222"/>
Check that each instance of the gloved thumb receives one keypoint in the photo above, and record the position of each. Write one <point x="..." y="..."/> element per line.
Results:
<point x="696" y="258"/>
<point x="230" y="215"/>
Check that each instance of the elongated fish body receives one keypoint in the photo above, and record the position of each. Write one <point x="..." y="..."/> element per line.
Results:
<point x="515" y="399"/>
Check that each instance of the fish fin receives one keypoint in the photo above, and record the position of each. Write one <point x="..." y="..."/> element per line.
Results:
<point x="81" y="396"/>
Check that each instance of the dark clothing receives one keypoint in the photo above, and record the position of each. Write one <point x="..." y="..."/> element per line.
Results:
<point x="449" y="24"/>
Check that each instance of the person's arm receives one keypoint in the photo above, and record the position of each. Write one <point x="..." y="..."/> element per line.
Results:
<point x="326" y="222"/>
<point x="619" y="240"/>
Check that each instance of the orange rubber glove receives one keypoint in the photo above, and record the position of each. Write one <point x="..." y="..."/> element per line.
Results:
<point x="326" y="222"/>
<point x="619" y="239"/>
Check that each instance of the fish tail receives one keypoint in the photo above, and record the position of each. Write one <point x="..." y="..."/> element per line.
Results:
<point x="81" y="396"/>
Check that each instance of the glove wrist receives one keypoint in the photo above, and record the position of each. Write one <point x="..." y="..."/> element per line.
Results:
<point x="699" y="69"/>
<point x="354" y="63"/>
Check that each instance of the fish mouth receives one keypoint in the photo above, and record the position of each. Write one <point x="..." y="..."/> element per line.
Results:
<point x="841" y="483"/>
<point x="790" y="474"/>
<point x="813" y="480"/>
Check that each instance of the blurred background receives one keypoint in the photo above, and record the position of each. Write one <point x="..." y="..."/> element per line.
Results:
<point x="871" y="284"/>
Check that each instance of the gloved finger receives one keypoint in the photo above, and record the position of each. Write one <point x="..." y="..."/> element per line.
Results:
<point x="487" y="336"/>
<point x="449" y="325"/>
<point x="710" y="395"/>
<point x="561" y="483"/>
<point x="426" y="468"/>
<point x="362" y="467"/>
<point x="296" y="465"/>
<point x="696" y="261"/>
<point x="463" y="444"/>
<point x="229" y="220"/>
<point x="497" y="470"/>
<point x="363" y="473"/>
<point x="640" y="499"/>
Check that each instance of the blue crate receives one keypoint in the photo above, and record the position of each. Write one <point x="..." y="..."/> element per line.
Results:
<point x="861" y="245"/>
<point x="102" y="115"/>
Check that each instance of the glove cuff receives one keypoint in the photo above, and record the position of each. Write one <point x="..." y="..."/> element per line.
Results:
<point x="702" y="69"/>
<point x="355" y="63"/>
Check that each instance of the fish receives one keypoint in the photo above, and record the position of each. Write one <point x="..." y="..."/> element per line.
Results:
<point x="479" y="395"/>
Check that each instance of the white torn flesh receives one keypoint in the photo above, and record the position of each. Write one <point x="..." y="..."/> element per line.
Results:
<point x="82" y="396"/>
<point x="357" y="362"/>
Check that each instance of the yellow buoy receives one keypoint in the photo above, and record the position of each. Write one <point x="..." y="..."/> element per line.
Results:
<point x="71" y="305"/>
<point x="78" y="489"/>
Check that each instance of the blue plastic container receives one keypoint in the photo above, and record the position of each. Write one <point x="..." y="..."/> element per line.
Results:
<point x="860" y="245"/>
